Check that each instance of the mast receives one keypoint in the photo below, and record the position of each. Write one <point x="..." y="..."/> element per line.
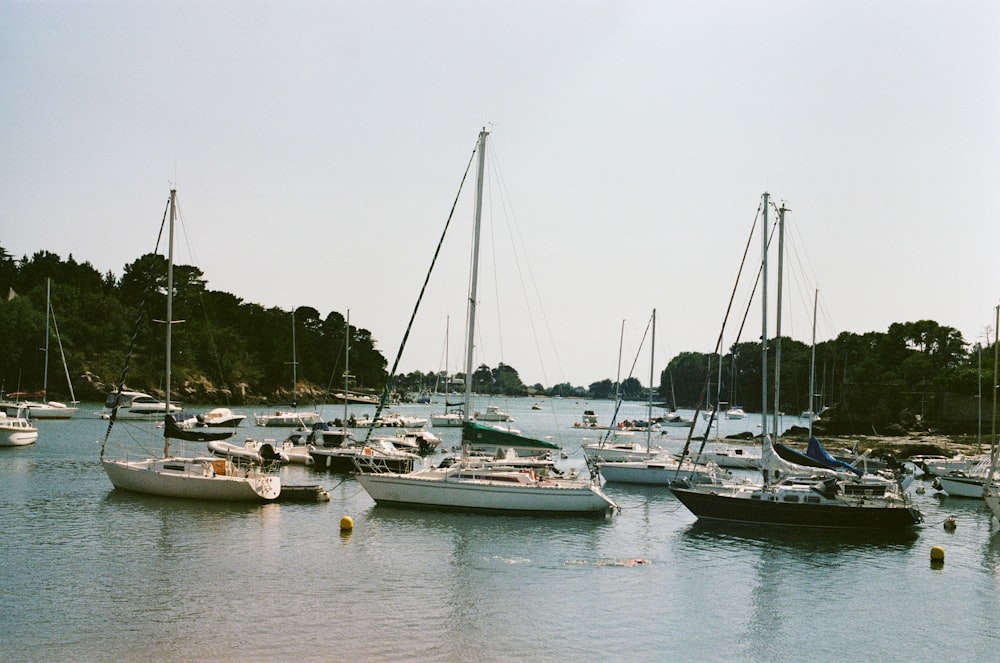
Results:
<point x="777" y="329"/>
<point x="649" y="406"/>
<point x="763" y="328"/>
<point x="295" y="365"/>
<point x="812" y="369"/>
<point x="170" y="310"/>
<point x="48" y="307"/>
<point x="473" y="287"/>
<point x="347" y="355"/>
<point x="994" y="447"/>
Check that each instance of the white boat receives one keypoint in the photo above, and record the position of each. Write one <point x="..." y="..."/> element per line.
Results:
<point x="588" y="419"/>
<point x="493" y="413"/>
<point x="793" y="495"/>
<point x="15" y="428"/>
<point x="137" y="405"/>
<point x="52" y="409"/>
<point x="449" y="419"/>
<point x="734" y="457"/>
<point x="220" y="417"/>
<point x="662" y="471"/>
<point x="957" y="463"/>
<point x="205" y="478"/>
<point x="378" y="455"/>
<point x="260" y="452"/>
<point x="287" y="419"/>
<point x="735" y="412"/>
<point x="469" y="484"/>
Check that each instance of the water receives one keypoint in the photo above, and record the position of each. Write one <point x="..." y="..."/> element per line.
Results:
<point x="92" y="574"/>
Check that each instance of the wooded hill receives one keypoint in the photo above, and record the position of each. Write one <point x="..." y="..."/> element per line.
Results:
<point x="228" y="351"/>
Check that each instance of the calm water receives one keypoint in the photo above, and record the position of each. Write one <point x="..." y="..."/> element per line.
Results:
<point x="92" y="574"/>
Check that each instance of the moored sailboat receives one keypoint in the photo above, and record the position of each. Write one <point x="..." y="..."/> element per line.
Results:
<point x="206" y="478"/>
<point x="470" y="483"/>
<point x="791" y="495"/>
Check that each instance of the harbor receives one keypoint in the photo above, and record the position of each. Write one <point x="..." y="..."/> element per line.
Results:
<point x="98" y="574"/>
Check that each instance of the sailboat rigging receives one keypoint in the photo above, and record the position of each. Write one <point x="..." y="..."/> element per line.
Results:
<point x="207" y="478"/>
<point x="476" y="483"/>
<point x="52" y="409"/>
<point x="793" y="495"/>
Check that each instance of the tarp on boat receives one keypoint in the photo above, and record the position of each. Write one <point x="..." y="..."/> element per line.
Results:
<point x="175" y="432"/>
<point x="482" y="435"/>
<point x="816" y="451"/>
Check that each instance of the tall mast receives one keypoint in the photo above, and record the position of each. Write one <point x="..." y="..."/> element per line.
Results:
<point x="649" y="406"/>
<point x="763" y="327"/>
<point x="48" y="307"/>
<point x="473" y="285"/>
<point x="812" y="370"/>
<point x="994" y="447"/>
<point x="170" y="309"/>
<point x="347" y="356"/>
<point x="777" y="329"/>
<point x="295" y="365"/>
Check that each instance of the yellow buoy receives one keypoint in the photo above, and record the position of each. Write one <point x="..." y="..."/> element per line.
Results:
<point x="949" y="524"/>
<point x="937" y="554"/>
<point x="346" y="524"/>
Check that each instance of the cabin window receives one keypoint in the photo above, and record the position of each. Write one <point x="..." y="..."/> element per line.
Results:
<point x="791" y="498"/>
<point x="755" y="496"/>
<point x="812" y="499"/>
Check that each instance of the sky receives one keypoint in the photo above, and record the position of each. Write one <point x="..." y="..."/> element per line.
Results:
<point x="317" y="149"/>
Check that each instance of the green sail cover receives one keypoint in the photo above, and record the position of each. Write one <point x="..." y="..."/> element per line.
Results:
<point x="481" y="435"/>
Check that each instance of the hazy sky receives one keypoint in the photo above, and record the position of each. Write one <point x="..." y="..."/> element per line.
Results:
<point x="317" y="148"/>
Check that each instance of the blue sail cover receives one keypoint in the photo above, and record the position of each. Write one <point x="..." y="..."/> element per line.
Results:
<point x="816" y="451"/>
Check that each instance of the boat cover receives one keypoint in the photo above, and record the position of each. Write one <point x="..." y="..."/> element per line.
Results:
<point x="175" y="432"/>
<point x="816" y="451"/>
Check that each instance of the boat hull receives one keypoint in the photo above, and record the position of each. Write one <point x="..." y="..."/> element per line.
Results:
<point x="651" y="474"/>
<point x="20" y="437"/>
<point x="51" y="411"/>
<point x="190" y="480"/>
<point x="435" y="490"/>
<point x="711" y="505"/>
<point x="961" y="486"/>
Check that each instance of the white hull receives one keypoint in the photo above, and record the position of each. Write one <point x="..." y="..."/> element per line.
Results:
<point x="446" y="420"/>
<point x="734" y="458"/>
<point x="17" y="437"/>
<point x="449" y="488"/>
<point x="191" y="478"/>
<point x="288" y="419"/>
<point x="51" y="410"/>
<point x="970" y="487"/>
<point x="657" y="473"/>
<point x="944" y="466"/>
<point x="618" y="453"/>
<point x="251" y="450"/>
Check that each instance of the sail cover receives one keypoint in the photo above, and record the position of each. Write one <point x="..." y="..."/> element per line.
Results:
<point x="175" y="432"/>
<point x="816" y="451"/>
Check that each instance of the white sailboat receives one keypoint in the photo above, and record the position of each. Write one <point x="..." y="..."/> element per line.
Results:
<point x="290" y="418"/>
<point x="474" y="485"/>
<point x="453" y="415"/>
<point x="52" y="409"/>
<point x="206" y="478"/>
<point x="612" y="448"/>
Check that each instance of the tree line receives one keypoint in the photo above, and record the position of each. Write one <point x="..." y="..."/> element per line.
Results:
<point x="227" y="351"/>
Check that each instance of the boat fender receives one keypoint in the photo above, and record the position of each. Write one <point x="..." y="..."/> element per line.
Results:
<point x="367" y="451"/>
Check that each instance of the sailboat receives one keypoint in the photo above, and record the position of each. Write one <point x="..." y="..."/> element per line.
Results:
<point x="473" y="484"/>
<point x="51" y="409"/>
<point x="613" y="448"/>
<point x="991" y="491"/>
<point x="453" y="415"/>
<point x="790" y="494"/>
<point x="290" y="418"/>
<point x="206" y="478"/>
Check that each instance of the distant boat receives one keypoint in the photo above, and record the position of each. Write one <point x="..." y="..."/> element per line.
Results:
<point x="493" y="413"/>
<point x="136" y="405"/>
<point x="205" y="478"/>
<point x="290" y="418"/>
<point x="51" y="409"/>
<point x="449" y="419"/>
<point x="472" y="483"/>
<point x="15" y="428"/>
<point x="220" y="417"/>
